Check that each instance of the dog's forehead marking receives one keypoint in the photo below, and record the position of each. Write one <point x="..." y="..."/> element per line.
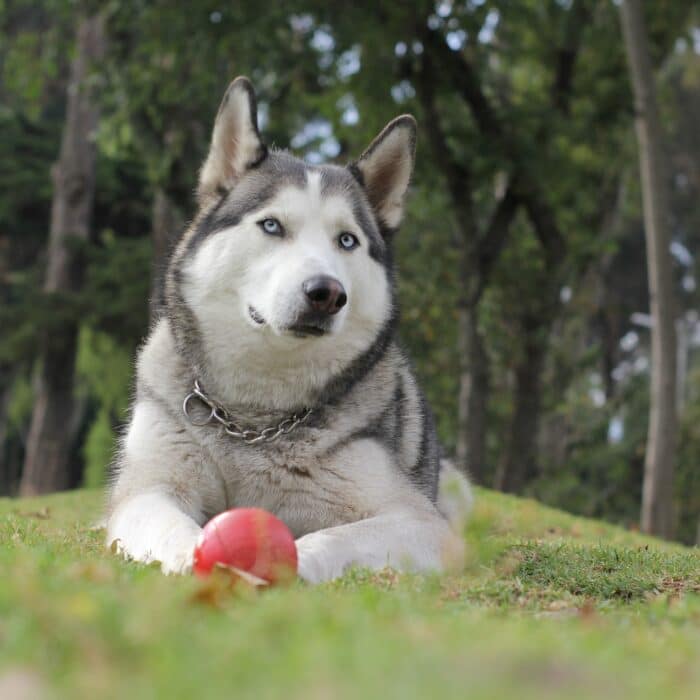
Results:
<point x="310" y="206"/>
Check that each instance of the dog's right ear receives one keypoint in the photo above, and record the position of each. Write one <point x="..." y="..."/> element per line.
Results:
<point x="385" y="168"/>
<point x="236" y="145"/>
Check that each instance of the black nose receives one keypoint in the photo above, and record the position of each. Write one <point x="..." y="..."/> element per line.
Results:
<point x="325" y="294"/>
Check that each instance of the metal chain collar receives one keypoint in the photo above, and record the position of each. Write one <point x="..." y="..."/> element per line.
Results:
<point x="250" y="436"/>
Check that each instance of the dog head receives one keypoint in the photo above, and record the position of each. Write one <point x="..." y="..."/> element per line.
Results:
<point x="285" y="275"/>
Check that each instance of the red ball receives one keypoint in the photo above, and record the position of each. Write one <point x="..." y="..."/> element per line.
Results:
<point x="249" y="539"/>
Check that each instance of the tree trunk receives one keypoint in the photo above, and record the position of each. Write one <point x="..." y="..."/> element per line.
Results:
<point x="519" y="462"/>
<point x="7" y="477"/>
<point x="46" y="465"/>
<point x="657" y="493"/>
<point x="473" y="396"/>
<point x="478" y="253"/>
<point x="607" y="316"/>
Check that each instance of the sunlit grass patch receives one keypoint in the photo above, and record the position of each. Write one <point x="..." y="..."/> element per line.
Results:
<point x="606" y="572"/>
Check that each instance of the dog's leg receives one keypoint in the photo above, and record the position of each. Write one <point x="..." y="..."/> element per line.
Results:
<point x="153" y="527"/>
<point x="407" y="540"/>
<point x="162" y="490"/>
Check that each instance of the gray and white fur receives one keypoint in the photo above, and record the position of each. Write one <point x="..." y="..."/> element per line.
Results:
<point x="280" y="296"/>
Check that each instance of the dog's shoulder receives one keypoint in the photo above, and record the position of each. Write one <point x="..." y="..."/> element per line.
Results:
<point x="160" y="369"/>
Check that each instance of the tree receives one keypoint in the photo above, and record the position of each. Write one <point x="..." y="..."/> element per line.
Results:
<point x="477" y="252"/>
<point x="481" y="249"/>
<point x="53" y="424"/>
<point x="657" y="495"/>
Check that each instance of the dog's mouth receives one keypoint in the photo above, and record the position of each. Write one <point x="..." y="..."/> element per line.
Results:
<point x="305" y="330"/>
<point x="307" y="327"/>
<point x="311" y="323"/>
<point x="256" y="316"/>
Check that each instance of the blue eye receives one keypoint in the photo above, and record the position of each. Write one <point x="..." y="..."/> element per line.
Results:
<point x="348" y="241"/>
<point x="271" y="226"/>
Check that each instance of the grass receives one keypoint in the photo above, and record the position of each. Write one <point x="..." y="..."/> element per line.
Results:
<point x="549" y="606"/>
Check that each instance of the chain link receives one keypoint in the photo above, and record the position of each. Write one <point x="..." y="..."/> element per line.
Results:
<point x="250" y="436"/>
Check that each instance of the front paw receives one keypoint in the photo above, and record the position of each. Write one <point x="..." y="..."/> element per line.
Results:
<point x="173" y="551"/>
<point x="179" y="559"/>
<point x="316" y="562"/>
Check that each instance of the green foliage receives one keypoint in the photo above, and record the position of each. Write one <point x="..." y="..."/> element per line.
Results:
<point x="98" y="450"/>
<point x="117" y="288"/>
<point x="428" y="298"/>
<point x="104" y="372"/>
<point x="34" y="52"/>
<point x="603" y="477"/>
<point x="20" y="405"/>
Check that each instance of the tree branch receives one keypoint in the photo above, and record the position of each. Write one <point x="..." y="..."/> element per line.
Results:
<point x="462" y="75"/>
<point x="567" y="54"/>
<point x="494" y="238"/>
<point x="481" y="250"/>
<point x="463" y="78"/>
<point x="459" y="177"/>
<point x="546" y="229"/>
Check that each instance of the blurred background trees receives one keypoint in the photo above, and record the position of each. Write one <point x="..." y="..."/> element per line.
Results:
<point x="523" y="268"/>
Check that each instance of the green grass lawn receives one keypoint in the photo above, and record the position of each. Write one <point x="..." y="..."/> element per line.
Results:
<point x="549" y="606"/>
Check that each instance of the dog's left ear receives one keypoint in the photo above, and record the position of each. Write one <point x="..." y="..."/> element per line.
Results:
<point x="236" y="145"/>
<point x="385" y="169"/>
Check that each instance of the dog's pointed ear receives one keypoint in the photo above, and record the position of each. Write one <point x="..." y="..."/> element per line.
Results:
<point x="236" y="145"/>
<point x="385" y="169"/>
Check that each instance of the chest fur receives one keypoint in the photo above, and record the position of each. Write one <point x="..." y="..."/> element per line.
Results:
<point x="306" y="481"/>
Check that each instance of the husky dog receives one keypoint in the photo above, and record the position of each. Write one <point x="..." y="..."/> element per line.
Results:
<point x="273" y="378"/>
